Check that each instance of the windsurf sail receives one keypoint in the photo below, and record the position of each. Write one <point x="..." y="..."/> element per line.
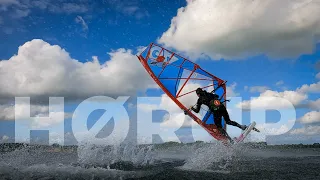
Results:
<point x="179" y="78"/>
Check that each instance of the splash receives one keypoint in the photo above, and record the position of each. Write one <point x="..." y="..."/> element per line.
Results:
<point x="108" y="155"/>
<point x="209" y="156"/>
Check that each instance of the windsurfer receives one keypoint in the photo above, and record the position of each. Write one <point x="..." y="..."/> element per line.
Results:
<point x="217" y="108"/>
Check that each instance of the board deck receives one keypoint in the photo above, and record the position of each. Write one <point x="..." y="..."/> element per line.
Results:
<point x="245" y="133"/>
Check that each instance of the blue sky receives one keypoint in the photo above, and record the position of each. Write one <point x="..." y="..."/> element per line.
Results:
<point x="85" y="29"/>
<point x="111" y="25"/>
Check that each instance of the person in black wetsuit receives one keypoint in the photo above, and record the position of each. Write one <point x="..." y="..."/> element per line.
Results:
<point x="217" y="108"/>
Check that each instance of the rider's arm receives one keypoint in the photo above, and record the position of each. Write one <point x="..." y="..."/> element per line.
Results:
<point x="198" y="106"/>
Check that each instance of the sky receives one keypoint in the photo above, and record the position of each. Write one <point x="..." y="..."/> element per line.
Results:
<point x="78" y="49"/>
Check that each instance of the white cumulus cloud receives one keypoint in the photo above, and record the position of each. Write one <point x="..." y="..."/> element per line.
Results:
<point x="274" y="129"/>
<point x="312" y="88"/>
<point x="314" y="104"/>
<point x="259" y="89"/>
<point x="311" y="117"/>
<point x="231" y="90"/>
<point x="40" y="70"/>
<point x="273" y="99"/>
<point x="9" y="112"/>
<point x="307" y="130"/>
<point x="235" y="29"/>
<point x="43" y="70"/>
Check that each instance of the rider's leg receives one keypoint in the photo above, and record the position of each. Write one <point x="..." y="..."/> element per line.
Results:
<point x="217" y="122"/>
<point x="226" y="117"/>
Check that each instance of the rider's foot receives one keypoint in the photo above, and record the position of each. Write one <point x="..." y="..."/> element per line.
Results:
<point x="243" y="127"/>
